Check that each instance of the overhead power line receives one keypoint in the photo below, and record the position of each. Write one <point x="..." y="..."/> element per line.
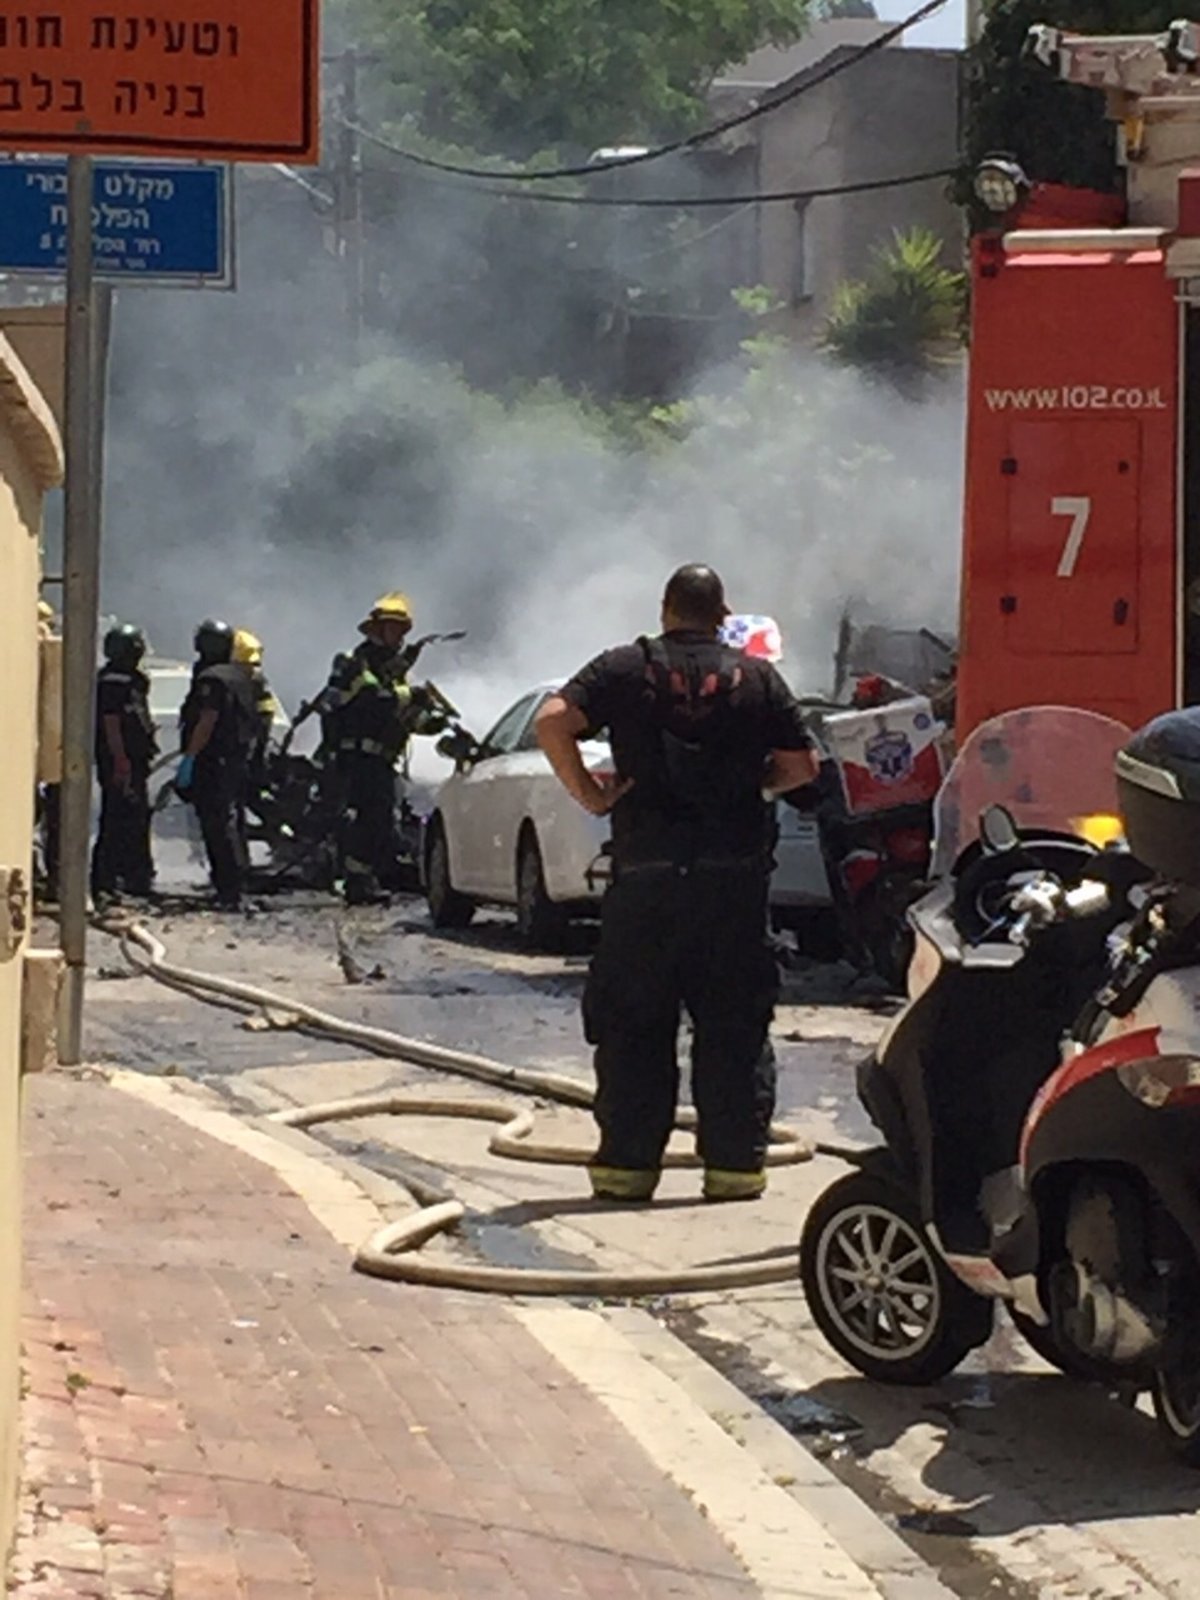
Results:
<point x="699" y="202"/>
<point x="764" y="107"/>
<point x="301" y="182"/>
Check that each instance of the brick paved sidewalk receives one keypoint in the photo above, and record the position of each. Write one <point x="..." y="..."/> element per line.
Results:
<point x="218" y="1409"/>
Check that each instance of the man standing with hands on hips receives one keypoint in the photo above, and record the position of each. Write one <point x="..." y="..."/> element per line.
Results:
<point x="218" y="726"/>
<point x="703" y="737"/>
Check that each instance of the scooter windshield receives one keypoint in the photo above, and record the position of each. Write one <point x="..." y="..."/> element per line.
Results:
<point x="1050" y="766"/>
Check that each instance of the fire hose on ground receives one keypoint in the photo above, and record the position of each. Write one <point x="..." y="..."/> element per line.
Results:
<point x="393" y="1251"/>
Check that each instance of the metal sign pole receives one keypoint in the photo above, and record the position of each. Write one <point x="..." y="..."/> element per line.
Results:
<point x="103" y="300"/>
<point x="81" y="601"/>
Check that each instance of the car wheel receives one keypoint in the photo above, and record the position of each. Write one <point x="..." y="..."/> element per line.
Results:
<point x="878" y="1290"/>
<point x="447" y="908"/>
<point x="541" y="924"/>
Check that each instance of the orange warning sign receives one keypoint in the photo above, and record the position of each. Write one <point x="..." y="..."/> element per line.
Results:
<point x="218" y="80"/>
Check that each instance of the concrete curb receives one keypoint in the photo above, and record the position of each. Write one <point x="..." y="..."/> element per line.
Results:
<point x="896" y="1570"/>
<point x="779" y="1537"/>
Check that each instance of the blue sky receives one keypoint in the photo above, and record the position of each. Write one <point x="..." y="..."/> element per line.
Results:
<point x="948" y="27"/>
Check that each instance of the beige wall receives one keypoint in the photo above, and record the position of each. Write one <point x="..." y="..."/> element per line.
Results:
<point x="38" y="335"/>
<point x="894" y="113"/>
<point x="29" y="464"/>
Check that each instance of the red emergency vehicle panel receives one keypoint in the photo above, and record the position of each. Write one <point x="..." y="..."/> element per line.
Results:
<point x="1070" y="541"/>
<point x="1072" y="567"/>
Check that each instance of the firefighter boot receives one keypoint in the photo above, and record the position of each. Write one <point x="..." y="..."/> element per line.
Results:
<point x="720" y="1185"/>
<point x="623" y="1183"/>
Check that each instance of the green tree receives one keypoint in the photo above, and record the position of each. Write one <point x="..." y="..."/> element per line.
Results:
<point x="523" y="76"/>
<point x="904" y="320"/>
<point x="1057" y="131"/>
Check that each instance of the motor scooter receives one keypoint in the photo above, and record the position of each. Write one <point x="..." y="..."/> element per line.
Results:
<point x="1038" y="1097"/>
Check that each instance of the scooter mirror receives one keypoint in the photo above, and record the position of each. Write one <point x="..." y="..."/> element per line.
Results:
<point x="998" y="831"/>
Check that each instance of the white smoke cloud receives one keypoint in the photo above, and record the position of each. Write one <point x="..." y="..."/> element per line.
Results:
<point x="256" y="475"/>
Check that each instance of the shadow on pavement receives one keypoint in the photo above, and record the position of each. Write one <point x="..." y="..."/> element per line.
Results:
<point x="1081" y="1455"/>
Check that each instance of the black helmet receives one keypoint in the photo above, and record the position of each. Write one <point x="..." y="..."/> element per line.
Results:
<point x="214" y="643"/>
<point x="1158" y="787"/>
<point x="124" y="645"/>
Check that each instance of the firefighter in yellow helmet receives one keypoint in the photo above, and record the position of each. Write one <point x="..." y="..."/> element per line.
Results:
<point x="369" y="713"/>
<point x="248" y="654"/>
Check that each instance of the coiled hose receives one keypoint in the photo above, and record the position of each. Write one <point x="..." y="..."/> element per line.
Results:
<point x="393" y="1250"/>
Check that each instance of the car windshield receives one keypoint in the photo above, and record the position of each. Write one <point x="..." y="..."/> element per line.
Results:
<point x="1050" y="766"/>
<point x="168" y="690"/>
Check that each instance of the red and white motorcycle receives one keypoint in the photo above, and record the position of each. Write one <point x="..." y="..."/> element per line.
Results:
<point x="1039" y="1096"/>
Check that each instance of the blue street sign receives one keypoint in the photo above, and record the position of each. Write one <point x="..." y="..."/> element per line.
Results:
<point x="154" y="222"/>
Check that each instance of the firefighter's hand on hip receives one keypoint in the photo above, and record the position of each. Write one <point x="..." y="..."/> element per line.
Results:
<point x="602" y="794"/>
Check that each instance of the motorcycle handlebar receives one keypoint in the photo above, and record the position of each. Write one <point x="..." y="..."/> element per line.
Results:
<point x="1044" y="901"/>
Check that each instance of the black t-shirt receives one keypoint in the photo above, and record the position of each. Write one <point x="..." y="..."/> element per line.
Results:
<point x="708" y="805"/>
<point x="123" y="693"/>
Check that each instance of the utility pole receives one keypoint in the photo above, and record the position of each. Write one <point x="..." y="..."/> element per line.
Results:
<point x="81" y="600"/>
<point x="348" y="190"/>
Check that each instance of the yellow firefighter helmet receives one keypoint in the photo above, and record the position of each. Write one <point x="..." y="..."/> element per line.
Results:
<point x="247" y="648"/>
<point x="393" y="607"/>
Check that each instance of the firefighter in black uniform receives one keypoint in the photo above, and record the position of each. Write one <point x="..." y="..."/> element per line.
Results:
<point x="701" y="736"/>
<point x="218" y="728"/>
<point x="369" y="713"/>
<point x="125" y="750"/>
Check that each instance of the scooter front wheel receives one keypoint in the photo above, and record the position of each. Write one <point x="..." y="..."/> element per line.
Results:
<point x="877" y="1288"/>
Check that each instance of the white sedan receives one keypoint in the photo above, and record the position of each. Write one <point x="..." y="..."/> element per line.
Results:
<point x="504" y="832"/>
<point x="170" y="682"/>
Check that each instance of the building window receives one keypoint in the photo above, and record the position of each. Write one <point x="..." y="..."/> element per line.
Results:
<point x="801" y="269"/>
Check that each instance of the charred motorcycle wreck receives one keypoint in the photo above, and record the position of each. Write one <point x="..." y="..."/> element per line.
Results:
<point x="1039" y="1096"/>
<point x="296" y="805"/>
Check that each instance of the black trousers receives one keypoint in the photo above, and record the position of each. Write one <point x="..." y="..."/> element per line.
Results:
<point x="121" y="858"/>
<point x="50" y="807"/>
<point x="369" y="839"/>
<point x="218" y="794"/>
<point x="694" y="940"/>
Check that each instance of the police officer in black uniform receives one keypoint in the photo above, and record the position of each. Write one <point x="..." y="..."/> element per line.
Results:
<point x="125" y="750"/>
<point x="218" y="728"/>
<point x="701" y="736"/>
